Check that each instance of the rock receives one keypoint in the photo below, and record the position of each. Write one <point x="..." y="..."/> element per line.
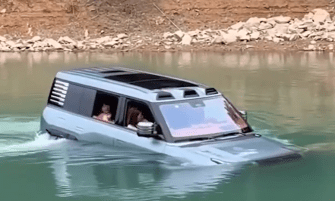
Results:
<point x="313" y="42"/>
<point x="294" y="37"/>
<point x="187" y="39"/>
<point x="252" y="22"/>
<point x="243" y="34"/>
<point x="10" y="43"/>
<point x="3" y="11"/>
<point x="300" y="31"/>
<point x="308" y="16"/>
<point x="277" y="40"/>
<point x="167" y="35"/>
<point x="255" y="36"/>
<point x="310" y="48"/>
<point x="281" y="28"/>
<point x="237" y="26"/>
<point x="330" y="27"/>
<point x="308" y="24"/>
<point x="264" y="26"/>
<point x="111" y="43"/>
<point x="330" y="47"/>
<point x="306" y="34"/>
<point x="103" y="40"/>
<point x="167" y="47"/>
<point x="2" y="39"/>
<point x="53" y="43"/>
<point x="179" y="35"/>
<point x="271" y="21"/>
<point x="320" y="16"/>
<point x="36" y="38"/>
<point x="230" y="37"/>
<point x="193" y="33"/>
<point x="122" y="36"/>
<point x="282" y="19"/>
<point x="66" y="40"/>
<point x="80" y="45"/>
<point x="218" y="40"/>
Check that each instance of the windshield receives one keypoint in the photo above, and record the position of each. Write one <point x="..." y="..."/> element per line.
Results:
<point x="202" y="117"/>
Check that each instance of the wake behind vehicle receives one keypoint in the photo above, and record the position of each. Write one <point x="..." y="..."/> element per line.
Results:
<point x="137" y="109"/>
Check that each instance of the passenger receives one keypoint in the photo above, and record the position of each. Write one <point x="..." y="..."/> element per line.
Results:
<point x="134" y="117"/>
<point x="105" y="114"/>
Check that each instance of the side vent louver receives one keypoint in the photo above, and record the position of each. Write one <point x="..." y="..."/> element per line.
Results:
<point x="164" y="95"/>
<point x="190" y="93"/>
<point x="210" y="91"/>
<point x="58" y="93"/>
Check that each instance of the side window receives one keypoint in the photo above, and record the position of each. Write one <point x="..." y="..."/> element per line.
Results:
<point x="105" y="107"/>
<point x="137" y="112"/>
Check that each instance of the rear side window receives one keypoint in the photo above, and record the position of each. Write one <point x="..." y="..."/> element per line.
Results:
<point x="58" y="93"/>
<point x="105" y="107"/>
<point x="71" y="97"/>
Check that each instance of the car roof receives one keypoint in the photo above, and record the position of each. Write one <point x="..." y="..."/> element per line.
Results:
<point x="143" y="85"/>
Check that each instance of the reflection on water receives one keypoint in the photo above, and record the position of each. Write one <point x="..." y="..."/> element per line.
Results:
<point x="99" y="171"/>
<point x="288" y="96"/>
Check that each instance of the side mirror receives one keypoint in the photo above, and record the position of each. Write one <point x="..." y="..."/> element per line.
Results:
<point x="244" y="114"/>
<point x="146" y="129"/>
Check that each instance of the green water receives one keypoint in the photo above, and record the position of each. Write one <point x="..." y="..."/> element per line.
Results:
<point x="288" y="96"/>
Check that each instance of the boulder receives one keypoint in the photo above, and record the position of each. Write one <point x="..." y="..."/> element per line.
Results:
<point x="103" y="39"/>
<point x="230" y="37"/>
<point x="255" y="36"/>
<point x="122" y="36"/>
<point x="330" y="47"/>
<point x="10" y="44"/>
<point x="330" y="27"/>
<point x="66" y="40"/>
<point x="53" y="43"/>
<point x="2" y="39"/>
<point x="111" y="43"/>
<point x="193" y="33"/>
<point x="277" y="40"/>
<point x="35" y="39"/>
<point x="282" y="19"/>
<point x="320" y="16"/>
<point x="310" y="48"/>
<point x="306" y="34"/>
<point x="308" y="16"/>
<point x="167" y="35"/>
<point x="271" y="21"/>
<point x="253" y="22"/>
<point x="243" y="34"/>
<point x="237" y="26"/>
<point x="187" y="39"/>
<point x="218" y="40"/>
<point x="179" y="35"/>
<point x="264" y="26"/>
<point x="3" y="11"/>
<point x="281" y="28"/>
<point x="294" y="37"/>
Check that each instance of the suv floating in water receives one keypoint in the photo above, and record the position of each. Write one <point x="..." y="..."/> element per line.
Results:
<point x="176" y="117"/>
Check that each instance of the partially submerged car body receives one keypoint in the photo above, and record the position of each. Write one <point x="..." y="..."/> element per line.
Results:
<point x="176" y="117"/>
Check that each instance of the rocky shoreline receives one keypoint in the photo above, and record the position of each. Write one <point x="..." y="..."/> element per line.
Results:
<point x="314" y="32"/>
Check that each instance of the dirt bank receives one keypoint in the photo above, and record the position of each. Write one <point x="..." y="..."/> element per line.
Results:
<point x="23" y="19"/>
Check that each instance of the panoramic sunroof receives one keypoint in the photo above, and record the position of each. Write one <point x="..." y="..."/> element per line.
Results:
<point x="150" y="81"/>
<point x="127" y="78"/>
<point x="163" y="83"/>
<point x="112" y="71"/>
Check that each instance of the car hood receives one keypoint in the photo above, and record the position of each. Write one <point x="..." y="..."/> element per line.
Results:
<point x="243" y="149"/>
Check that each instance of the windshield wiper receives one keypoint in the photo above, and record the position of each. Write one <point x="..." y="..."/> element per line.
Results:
<point x="227" y="134"/>
<point x="200" y="138"/>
